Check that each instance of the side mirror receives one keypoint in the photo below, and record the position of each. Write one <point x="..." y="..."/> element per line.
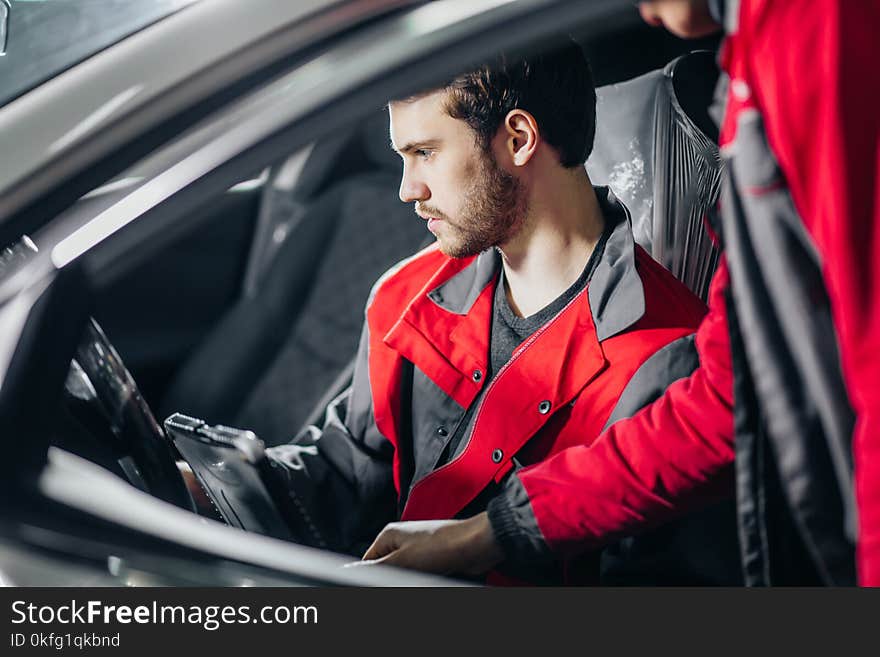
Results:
<point x="4" y="25"/>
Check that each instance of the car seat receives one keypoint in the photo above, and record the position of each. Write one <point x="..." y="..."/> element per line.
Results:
<point x="656" y="147"/>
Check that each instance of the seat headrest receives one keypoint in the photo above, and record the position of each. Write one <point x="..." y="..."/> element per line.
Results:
<point x="623" y="149"/>
<point x="362" y="148"/>
<point x="694" y="78"/>
<point x="656" y="147"/>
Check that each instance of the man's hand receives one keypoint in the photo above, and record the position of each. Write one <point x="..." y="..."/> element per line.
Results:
<point x="445" y="547"/>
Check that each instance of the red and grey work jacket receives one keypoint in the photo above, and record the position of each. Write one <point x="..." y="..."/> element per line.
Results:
<point x="790" y="350"/>
<point x="421" y="365"/>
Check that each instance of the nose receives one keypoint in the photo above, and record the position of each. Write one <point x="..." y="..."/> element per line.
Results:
<point x="412" y="188"/>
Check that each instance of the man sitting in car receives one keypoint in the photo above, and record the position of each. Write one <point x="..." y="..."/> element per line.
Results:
<point x="533" y="322"/>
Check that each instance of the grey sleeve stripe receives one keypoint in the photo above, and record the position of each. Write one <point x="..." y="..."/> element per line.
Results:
<point x="673" y="362"/>
<point x="516" y="529"/>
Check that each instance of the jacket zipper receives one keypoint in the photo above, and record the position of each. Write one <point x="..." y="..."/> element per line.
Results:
<point x="485" y="395"/>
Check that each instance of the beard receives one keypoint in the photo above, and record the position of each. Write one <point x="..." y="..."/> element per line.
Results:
<point x="493" y="211"/>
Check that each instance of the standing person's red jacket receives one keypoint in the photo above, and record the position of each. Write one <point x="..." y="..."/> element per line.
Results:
<point x="809" y="68"/>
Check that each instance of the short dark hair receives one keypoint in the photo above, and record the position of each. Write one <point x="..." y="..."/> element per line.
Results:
<point x="555" y="86"/>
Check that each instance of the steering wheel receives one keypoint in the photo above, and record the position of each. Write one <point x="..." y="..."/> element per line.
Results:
<point x="120" y="429"/>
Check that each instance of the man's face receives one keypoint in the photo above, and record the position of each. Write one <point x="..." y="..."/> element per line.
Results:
<point x="469" y="202"/>
<point x="685" y="18"/>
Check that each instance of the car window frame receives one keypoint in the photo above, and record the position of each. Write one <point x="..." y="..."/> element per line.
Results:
<point x="129" y="22"/>
<point x="417" y="60"/>
<point x="58" y="174"/>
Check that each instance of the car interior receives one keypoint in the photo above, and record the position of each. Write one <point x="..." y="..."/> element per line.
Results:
<point x="251" y="317"/>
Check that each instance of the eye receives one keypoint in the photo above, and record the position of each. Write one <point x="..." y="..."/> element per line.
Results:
<point x="424" y="153"/>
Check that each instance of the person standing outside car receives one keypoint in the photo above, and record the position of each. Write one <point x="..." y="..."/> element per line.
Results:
<point x="789" y="352"/>
<point x="532" y="322"/>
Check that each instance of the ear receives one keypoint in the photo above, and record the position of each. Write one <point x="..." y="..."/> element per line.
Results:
<point x="522" y="136"/>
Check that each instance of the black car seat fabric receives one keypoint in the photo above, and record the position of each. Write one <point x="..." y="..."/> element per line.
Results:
<point x="374" y="231"/>
<point x="656" y="147"/>
<point x="276" y="352"/>
<point x="294" y="184"/>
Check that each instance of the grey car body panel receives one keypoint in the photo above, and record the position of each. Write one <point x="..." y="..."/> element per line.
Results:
<point x="46" y="37"/>
<point x="76" y="118"/>
<point x="74" y="482"/>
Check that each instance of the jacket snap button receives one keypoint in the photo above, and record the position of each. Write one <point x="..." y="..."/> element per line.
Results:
<point x="497" y="455"/>
<point x="477" y="375"/>
<point x="544" y="407"/>
<point x="441" y="431"/>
